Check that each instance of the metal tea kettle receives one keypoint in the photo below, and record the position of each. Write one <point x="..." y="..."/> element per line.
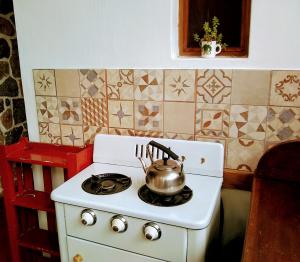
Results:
<point x="165" y="176"/>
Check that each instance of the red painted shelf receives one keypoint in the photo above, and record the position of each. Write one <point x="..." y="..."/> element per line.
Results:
<point x="43" y="154"/>
<point x="35" y="200"/>
<point x="40" y="240"/>
<point x="22" y="201"/>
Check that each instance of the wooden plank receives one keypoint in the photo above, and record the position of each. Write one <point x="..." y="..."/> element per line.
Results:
<point x="235" y="179"/>
<point x="273" y="232"/>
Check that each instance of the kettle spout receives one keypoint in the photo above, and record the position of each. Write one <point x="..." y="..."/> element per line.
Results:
<point x="143" y="164"/>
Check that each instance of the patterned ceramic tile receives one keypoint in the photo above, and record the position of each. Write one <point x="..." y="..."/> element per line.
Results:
<point x="120" y="84"/>
<point x="148" y="116"/>
<point x="180" y="85"/>
<point x="250" y="87"/>
<point x="94" y="112"/>
<point x="285" y="88"/>
<point x="72" y="135"/>
<point x="178" y="136"/>
<point x="92" y="83"/>
<point x="149" y="133"/>
<point x="212" y="120"/>
<point x="120" y="114"/>
<point x="89" y="133"/>
<point x="214" y="86"/>
<point x="179" y="117"/>
<point x="44" y="82"/>
<point x="244" y="154"/>
<point x="47" y="109"/>
<point x="50" y="133"/>
<point x="69" y="111"/>
<point x="121" y="132"/>
<point x="67" y="82"/>
<point x="248" y="122"/>
<point x="283" y="123"/>
<point x="148" y="85"/>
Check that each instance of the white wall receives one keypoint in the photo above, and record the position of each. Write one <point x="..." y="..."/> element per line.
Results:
<point x="137" y="34"/>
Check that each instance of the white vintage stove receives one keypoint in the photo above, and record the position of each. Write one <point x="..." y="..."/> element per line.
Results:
<point x="106" y="213"/>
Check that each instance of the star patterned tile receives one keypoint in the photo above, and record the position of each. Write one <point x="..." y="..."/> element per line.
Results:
<point x="180" y="85"/>
<point x="44" y="82"/>
<point x="69" y="111"/>
<point x="120" y="114"/>
<point x="72" y="135"/>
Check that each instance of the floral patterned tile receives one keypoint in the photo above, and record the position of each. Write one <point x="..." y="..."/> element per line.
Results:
<point x="244" y="154"/>
<point x="44" y="82"/>
<point x="214" y="86"/>
<point x="283" y="123"/>
<point x="148" y="85"/>
<point x="180" y="85"/>
<point x="179" y="117"/>
<point x="212" y="120"/>
<point x="50" y="133"/>
<point x="92" y="83"/>
<point x="67" y="82"/>
<point x="70" y="111"/>
<point x="120" y="114"/>
<point x="120" y="84"/>
<point x="121" y="132"/>
<point x="148" y="115"/>
<point x="178" y="136"/>
<point x="248" y="122"/>
<point x="285" y="88"/>
<point x="89" y="133"/>
<point x="47" y="109"/>
<point x="72" y="135"/>
<point x="94" y="112"/>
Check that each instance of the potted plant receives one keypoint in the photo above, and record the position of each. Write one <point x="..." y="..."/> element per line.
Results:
<point x="211" y="42"/>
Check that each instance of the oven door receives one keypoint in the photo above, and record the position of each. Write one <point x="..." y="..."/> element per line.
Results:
<point x="85" y="251"/>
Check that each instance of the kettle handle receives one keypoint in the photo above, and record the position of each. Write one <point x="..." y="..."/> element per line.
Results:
<point x="164" y="149"/>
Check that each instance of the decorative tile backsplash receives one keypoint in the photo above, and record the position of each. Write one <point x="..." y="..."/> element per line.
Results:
<point x="248" y="111"/>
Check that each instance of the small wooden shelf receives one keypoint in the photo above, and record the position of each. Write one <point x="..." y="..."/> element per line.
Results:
<point x="44" y="154"/>
<point x="23" y="202"/>
<point x="35" y="200"/>
<point x="40" y="240"/>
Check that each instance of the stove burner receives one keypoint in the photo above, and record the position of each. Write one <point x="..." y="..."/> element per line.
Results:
<point x="106" y="184"/>
<point x="165" y="201"/>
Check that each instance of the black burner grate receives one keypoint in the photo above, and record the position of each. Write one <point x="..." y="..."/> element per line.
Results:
<point x="106" y="184"/>
<point x="165" y="201"/>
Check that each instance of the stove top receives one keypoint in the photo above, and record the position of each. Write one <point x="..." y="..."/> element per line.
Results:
<point x="152" y="198"/>
<point x="106" y="184"/>
<point x="203" y="169"/>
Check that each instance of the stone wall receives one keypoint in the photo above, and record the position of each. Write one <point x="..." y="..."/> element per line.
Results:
<point x="12" y="109"/>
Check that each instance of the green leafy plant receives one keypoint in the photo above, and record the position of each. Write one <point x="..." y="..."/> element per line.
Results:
<point x="210" y="34"/>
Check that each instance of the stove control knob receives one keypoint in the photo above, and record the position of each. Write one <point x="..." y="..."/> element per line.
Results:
<point x="88" y="217"/>
<point x="118" y="224"/>
<point x="152" y="231"/>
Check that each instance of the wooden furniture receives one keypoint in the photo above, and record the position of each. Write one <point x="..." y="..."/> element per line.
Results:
<point x="273" y="232"/>
<point x="23" y="203"/>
